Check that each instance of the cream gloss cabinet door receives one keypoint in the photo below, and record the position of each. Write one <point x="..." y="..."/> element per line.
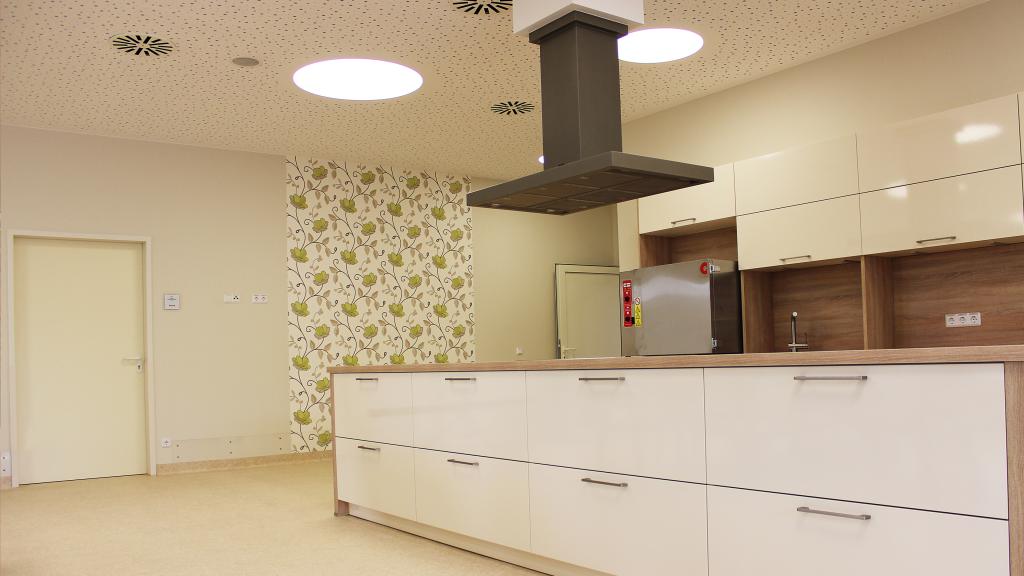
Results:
<point x="820" y="231"/>
<point x="374" y="407"/>
<point x="483" y="498"/>
<point x="931" y="437"/>
<point x="754" y="533"/>
<point x="680" y="209"/>
<point x="481" y="413"/>
<point x="376" y="476"/>
<point x="797" y="176"/>
<point x="973" y="207"/>
<point x="968" y="139"/>
<point x="624" y="525"/>
<point x="642" y="422"/>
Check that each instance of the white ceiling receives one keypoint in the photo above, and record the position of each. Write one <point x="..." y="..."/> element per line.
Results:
<point x="59" y="70"/>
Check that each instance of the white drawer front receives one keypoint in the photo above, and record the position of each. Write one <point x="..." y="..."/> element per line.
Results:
<point x="980" y="206"/>
<point x="752" y="533"/>
<point x="806" y="174"/>
<point x="378" y="476"/>
<point x="374" y="407"/>
<point x="642" y="422"/>
<point x="689" y="206"/>
<point x="929" y="437"/>
<point x="648" y="527"/>
<point x="479" y="497"/>
<point x="480" y="413"/>
<point x="812" y="232"/>
<point x="959" y="141"/>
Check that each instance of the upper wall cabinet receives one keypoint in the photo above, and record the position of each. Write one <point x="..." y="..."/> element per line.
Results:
<point x="960" y="141"/>
<point x="797" y="176"/>
<point x="821" y="231"/>
<point x="674" y="212"/>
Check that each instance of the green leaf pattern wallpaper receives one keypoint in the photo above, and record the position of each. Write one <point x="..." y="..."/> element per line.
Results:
<point x="380" y="271"/>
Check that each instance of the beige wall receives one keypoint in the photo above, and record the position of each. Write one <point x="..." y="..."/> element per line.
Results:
<point x="217" y="226"/>
<point x="963" y="58"/>
<point x="514" y="257"/>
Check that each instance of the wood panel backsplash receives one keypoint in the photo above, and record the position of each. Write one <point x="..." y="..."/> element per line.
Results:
<point x="988" y="280"/>
<point x="828" y="301"/>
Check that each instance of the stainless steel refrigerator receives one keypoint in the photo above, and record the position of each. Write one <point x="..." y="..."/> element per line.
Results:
<point x="684" y="308"/>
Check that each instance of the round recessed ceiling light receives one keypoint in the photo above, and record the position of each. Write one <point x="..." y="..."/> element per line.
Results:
<point x="654" y="45"/>
<point x="357" y="79"/>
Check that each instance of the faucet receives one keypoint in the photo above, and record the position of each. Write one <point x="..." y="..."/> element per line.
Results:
<point x="793" y="345"/>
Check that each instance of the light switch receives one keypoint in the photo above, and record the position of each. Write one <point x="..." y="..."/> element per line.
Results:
<point x="172" y="301"/>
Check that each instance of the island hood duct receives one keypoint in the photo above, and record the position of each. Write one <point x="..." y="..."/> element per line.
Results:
<point x="584" y="166"/>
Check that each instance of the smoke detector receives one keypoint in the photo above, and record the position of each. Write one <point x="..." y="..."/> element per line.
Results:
<point x="141" y="45"/>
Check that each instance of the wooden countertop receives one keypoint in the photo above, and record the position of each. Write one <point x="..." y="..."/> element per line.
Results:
<point x="959" y="355"/>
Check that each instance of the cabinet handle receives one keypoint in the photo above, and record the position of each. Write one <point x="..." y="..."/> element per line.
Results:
<point x="610" y="379"/>
<point x="927" y="240"/>
<point x="463" y="462"/>
<point x="807" y="510"/>
<point x="367" y="379"/>
<point x="674" y="222"/>
<point x="836" y="378"/>
<point x="787" y="259"/>
<point x="460" y="379"/>
<point x="615" y="484"/>
<point x="370" y="448"/>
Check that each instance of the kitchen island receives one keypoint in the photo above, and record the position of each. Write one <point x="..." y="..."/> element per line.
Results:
<point x="849" y="462"/>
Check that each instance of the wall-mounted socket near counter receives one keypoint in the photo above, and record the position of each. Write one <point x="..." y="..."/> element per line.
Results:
<point x="963" y="319"/>
<point x="232" y="299"/>
<point x="260" y="299"/>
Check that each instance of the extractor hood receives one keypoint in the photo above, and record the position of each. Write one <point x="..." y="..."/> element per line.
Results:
<point x="584" y="166"/>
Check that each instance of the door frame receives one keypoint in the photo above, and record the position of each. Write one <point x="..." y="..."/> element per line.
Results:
<point x="147" y="281"/>
<point x="560" y="271"/>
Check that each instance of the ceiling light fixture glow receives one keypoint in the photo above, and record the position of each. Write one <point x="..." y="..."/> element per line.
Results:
<point x="541" y="159"/>
<point x="656" y="45"/>
<point x="357" y="79"/>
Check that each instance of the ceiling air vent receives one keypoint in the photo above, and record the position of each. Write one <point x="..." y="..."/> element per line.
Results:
<point x="485" y="6"/>
<point x="142" y="45"/>
<point x="512" y="108"/>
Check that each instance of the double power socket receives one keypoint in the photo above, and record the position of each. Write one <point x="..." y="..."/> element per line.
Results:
<point x="963" y="319"/>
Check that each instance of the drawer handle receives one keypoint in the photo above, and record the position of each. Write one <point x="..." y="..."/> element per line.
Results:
<point x="615" y="484"/>
<point x="807" y="510"/>
<point x="674" y="222"/>
<point x="370" y="448"/>
<point x="609" y="379"/>
<point x="939" y="239"/>
<point x="808" y="256"/>
<point x="460" y="379"/>
<point x="367" y="379"/>
<point x="463" y="462"/>
<point x="831" y="378"/>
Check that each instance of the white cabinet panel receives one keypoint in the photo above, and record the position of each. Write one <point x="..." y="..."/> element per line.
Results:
<point x="752" y="533"/>
<point x="479" y="497"/>
<point x="378" y="476"/>
<point x="980" y="206"/>
<point x="644" y="528"/>
<point x="471" y="412"/>
<point x="374" y="407"/>
<point x="929" y="437"/>
<point x="696" y="205"/>
<point x="797" y="176"/>
<point x="808" y="233"/>
<point x="643" y="422"/>
<point x="966" y="139"/>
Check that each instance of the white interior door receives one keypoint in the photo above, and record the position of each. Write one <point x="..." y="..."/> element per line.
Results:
<point x="78" y="347"/>
<point x="588" y="311"/>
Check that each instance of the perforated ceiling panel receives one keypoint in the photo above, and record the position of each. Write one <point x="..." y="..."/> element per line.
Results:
<point x="470" y="61"/>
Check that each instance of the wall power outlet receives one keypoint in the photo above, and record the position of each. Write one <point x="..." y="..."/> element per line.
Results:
<point x="260" y="299"/>
<point x="5" y="464"/>
<point x="232" y="299"/>
<point x="963" y="319"/>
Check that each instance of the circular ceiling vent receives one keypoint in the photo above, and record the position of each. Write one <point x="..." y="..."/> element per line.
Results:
<point x="485" y="6"/>
<point x="512" y="108"/>
<point x="142" y="45"/>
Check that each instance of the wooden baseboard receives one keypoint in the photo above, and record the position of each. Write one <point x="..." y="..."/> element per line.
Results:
<point x="235" y="463"/>
<point x="481" y="547"/>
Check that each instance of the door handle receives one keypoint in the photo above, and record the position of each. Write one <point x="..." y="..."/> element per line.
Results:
<point x="806" y="510"/>
<point x="830" y="378"/>
<point x="939" y="239"/>
<point x="603" y="483"/>
<point x="674" y="222"/>
<point x="138" y="360"/>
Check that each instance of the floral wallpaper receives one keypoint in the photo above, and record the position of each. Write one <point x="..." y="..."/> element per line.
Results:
<point x="380" y="271"/>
